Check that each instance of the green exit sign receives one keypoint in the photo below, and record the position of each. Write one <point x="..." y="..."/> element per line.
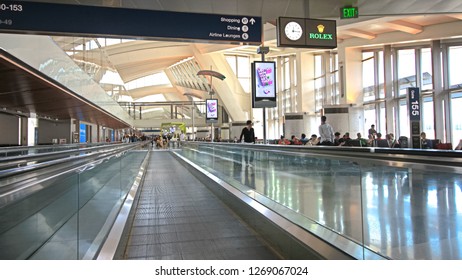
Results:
<point x="349" y="12"/>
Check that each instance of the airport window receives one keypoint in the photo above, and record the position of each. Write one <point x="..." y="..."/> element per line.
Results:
<point x="373" y="75"/>
<point x="326" y="80"/>
<point x="406" y="70"/>
<point x="150" y="80"/>
<point x="382" y="124"/>
<point x="456" y="120"/>
<point x="428" y="116"/>
<point x="287" y="89"/>
<point x="455" y="67"/>
<point x="286" y="92"/>
<point x="111" y="77"/>
<point x="381" y="74"/>
<point x="87" y="45"/>
<point x="368" y="70"/>
<point x="426" y="71"/>
<point x="294" y="78"/>
<point x="319" y="81"/>
<point x="286" y="68"/>
<point x="403" y="116"/>
<point x="369" y="117"/>
<point x="185" y="73"/>
<point x="105" y="42"/>
<point x="241" y="68"/>
<point x="334" y="79"/>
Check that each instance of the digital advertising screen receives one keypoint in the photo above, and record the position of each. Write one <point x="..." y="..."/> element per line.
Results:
<point x="83" y="133"/>
<point x="264" y="84"/>
<point x="211" y="110"/>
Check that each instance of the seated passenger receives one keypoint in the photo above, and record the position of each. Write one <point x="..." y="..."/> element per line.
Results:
<point x="303" y="139"/>
<point x="283" y="141"/>
<point x="424" y="142"/>
<point x="362" y="141"/>
<point x="294" y="140"/>
<point x="392" y="142"/>
<point x="314" y="140"/>
<point x="336" y="138"/>
<point x="345" y="139"/>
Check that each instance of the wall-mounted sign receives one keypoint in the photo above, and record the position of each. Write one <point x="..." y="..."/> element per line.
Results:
<point x="50" y="18"/>
<point x="211" y="110"/>
<point x="307" y="33"/>
<point x="413" y="94"/>
<point x="263" y="84"/>
<point x="349" y="12"/>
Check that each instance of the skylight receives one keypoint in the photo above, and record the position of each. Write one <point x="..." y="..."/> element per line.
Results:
<point x="156" y="79"/>
<point x="112" y="77"/>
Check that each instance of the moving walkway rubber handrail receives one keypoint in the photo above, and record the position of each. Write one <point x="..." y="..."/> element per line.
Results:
<point x="439" y="159"/>
<point x="47" y="146"/>
<point x="16" y="161"/>
<point x="24" y="150"/>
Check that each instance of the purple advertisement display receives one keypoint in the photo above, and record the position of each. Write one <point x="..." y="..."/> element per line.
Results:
<point x="212" y="109"/>
<point x="264" y="73"/>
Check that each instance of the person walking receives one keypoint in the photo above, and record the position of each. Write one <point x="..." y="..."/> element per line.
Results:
<point x="326" y="133"/>
<point x="249" y="137"/>
<point x="248" y="133"/>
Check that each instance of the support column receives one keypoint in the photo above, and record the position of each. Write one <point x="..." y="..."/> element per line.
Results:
<point x="391" y="103"/>
<point x="350" y="59"/>
<point x="23" y="132"/>
<point x="440" y="100"/>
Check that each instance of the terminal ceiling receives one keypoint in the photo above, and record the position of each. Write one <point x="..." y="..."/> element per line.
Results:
<point x="138" y="58"/>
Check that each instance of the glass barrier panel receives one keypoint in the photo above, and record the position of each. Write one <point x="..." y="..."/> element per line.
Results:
<point x="67" y="217"/>
<point x="413" y="213"/>
<point x="37" y="226"/>
<point x="322" y="195"/>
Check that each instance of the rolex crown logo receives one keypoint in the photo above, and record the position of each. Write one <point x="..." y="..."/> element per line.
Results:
<point x="321" y="28"/>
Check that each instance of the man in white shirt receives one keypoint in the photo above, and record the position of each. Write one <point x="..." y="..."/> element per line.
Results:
<point x="326" y="132"/>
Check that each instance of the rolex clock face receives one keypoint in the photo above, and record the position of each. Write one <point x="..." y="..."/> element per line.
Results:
<point x="293" y="31"/>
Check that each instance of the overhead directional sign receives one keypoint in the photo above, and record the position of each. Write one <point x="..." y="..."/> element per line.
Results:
<point x="63" y="19"/>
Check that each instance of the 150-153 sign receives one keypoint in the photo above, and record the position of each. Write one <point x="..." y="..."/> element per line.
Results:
<point x="65" y="19"/>
<point x="11" y="7"/>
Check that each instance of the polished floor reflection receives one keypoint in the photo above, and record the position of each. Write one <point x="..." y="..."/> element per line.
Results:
<point x="399" y="213"/>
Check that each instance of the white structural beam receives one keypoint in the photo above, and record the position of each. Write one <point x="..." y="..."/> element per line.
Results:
<point x="456" y="16"/>
<point x="404" y="26"/>
<point x="359" y="34"/>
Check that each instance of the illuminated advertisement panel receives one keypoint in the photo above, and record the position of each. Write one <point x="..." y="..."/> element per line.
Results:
<point x="263" y="84"/>
<point x="211" y="110"/>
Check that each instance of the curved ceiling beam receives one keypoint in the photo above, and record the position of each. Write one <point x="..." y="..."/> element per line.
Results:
<point x="211" y="74"/>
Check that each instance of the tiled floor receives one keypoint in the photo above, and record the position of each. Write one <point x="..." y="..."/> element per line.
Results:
<point x="177" y="217"/>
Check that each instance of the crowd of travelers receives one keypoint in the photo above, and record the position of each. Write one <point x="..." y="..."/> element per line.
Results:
<point x="130" y="138"/>
<point x="327" y="137"/>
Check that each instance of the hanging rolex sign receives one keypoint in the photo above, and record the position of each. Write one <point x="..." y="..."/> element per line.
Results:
<point x="321" y="33"/>
<point x="307" y="33"/>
